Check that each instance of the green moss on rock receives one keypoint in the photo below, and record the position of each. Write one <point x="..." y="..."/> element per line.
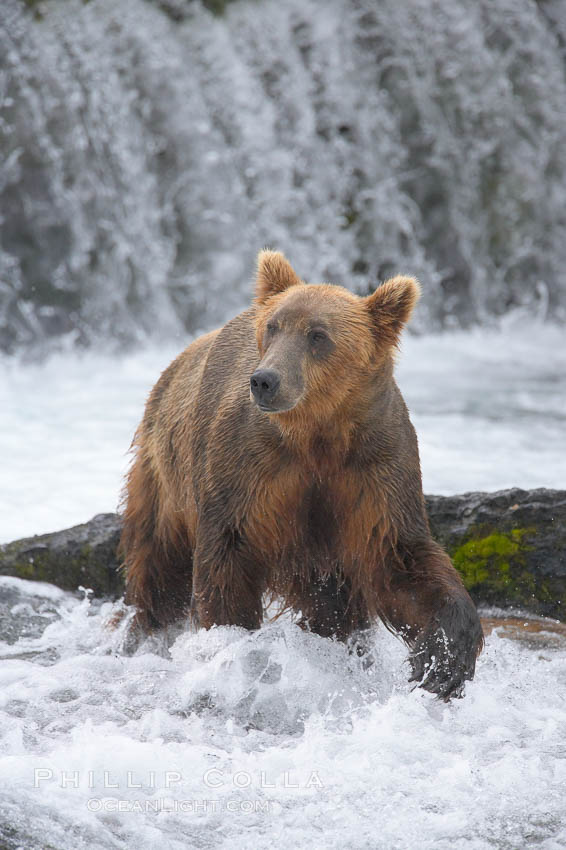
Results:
<point x="495" y="566"/>
<point x="489" y="558"/>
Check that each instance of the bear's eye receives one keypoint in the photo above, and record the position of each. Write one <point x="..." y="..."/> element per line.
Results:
<point x="271" y="328"/>
<point x="317" y="336"/>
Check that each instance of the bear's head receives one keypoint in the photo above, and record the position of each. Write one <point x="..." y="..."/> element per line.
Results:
<point x="320" y="346"/>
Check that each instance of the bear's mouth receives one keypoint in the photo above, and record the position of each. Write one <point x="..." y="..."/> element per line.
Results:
<point x="269" y="409"/>
<point x="273" y="408"/>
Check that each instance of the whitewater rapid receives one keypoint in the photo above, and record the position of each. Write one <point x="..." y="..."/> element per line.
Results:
<point x="273" y="739"/>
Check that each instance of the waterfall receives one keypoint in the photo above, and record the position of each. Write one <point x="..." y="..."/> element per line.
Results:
<point x="148" y="150"/>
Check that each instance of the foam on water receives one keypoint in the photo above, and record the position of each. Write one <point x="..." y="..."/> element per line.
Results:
<point x="255" y="740"/>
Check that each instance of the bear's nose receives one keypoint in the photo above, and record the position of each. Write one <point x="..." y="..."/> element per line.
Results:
<point x="264" y="384"/>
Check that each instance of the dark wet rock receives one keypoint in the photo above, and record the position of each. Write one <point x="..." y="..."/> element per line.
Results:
<point x="84" y="555"/>
<point x="509" y="546"/>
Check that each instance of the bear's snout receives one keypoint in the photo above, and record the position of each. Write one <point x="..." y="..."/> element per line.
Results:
<point x="264" y="384"/>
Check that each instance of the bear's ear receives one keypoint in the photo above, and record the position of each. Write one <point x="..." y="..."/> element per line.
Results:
<point x="274" y="274"/>
<point x="391" y="306"/>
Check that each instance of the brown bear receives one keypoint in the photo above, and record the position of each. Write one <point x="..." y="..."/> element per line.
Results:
<point x="276" y="454"/>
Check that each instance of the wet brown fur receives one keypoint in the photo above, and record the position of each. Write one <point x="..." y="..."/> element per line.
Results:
<point x="321" y="504"/>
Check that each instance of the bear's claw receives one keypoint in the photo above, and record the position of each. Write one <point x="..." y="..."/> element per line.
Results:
<point x="444" y="656"/>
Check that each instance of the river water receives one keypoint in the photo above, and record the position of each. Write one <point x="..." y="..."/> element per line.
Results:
<point x="280" y="738"/>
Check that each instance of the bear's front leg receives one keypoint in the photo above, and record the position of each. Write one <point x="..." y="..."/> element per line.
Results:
<point x="228" y="581"/>
<point x="428" y="604"/>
